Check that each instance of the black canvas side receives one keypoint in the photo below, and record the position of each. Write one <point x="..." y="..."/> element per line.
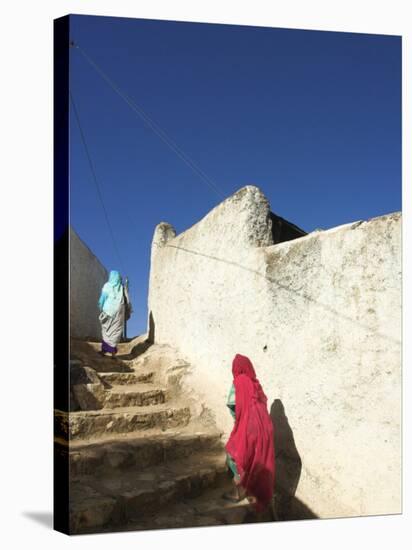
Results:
<point x="61" y="262"/>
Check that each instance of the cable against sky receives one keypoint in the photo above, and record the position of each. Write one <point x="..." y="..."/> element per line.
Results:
<point x="95" y="180"/>
<point x="153" y="126"/>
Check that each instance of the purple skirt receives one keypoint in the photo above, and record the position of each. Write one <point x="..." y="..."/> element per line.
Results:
<point x="108" y="349"/>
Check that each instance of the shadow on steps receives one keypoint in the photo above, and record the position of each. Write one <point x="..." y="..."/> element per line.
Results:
<point x="88" y="353"/>
<point x="295" y="509"/>
<point x="138" y="349"/>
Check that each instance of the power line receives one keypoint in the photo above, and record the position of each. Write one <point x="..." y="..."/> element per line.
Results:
<point x="99" y="193"/>
<point x="153" y="125"/>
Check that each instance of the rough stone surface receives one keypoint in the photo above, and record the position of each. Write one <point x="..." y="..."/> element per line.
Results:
<point x="87" y="277"/>
<point x="87" y="390"/>
<point x="129" y="464"/>
<point x="82" y="374"/>
<point x="114" y="378"/>
<point x="137" y="395"/>
<point x="90" y="397"/>
<point x="208" y="509"/>
<point x="84" y="424"/>
<point x="88" y="508"/>
<point x="320" y="317"/>
<point x="101" y="456"/>
<point x="137" y="495"/>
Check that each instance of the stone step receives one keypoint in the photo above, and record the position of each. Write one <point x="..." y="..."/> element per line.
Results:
<point x="208" y="509"/>
<point x="103" y="365"/>
<point x="89" y="424"/>
<point x="131" y="349"/>
<point x="108" y="504"/>
<point x="108" y="455"/>
<point x="134" y="395"/>
<point x="134" y="377"/>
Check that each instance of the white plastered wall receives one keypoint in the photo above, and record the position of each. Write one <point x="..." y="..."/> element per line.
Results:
<point x="320" y="318"/>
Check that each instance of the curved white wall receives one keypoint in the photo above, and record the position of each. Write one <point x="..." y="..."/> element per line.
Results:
<point x="320" y="317"/>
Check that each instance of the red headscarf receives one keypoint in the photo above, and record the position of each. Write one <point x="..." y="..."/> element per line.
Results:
<point x="251" y="441"/>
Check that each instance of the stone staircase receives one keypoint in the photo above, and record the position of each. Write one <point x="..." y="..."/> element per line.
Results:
<point x="140" y="454"/>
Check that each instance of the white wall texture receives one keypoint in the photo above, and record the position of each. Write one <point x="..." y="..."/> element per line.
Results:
<point x="87" y="277"/>
<point x="320" y="318"/>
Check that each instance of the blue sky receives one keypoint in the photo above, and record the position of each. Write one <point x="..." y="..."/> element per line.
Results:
<point x="312" y="118"/>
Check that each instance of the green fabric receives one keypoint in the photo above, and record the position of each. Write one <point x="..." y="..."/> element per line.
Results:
<point x="232" y="466"/>
<point x="231" y="402"/>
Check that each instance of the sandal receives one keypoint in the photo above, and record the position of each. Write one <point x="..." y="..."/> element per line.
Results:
<point x="235" y="495"/>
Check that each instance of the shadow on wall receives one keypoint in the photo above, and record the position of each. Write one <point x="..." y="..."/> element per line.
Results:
<point x="151" y="335"/>
<point x="288" y="467"/>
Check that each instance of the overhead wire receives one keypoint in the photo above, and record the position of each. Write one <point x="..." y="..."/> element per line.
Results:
<point x="153" y="125"/>
<point x="95" y="180"/>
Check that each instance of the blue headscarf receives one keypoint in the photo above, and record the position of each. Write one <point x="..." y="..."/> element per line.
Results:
<point x="112" y="294"/>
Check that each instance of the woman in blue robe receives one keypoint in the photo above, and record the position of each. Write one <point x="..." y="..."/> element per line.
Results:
<point x="112" y="303"/>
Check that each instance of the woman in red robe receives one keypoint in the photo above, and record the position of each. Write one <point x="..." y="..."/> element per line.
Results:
<point x="250" y="446"/>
